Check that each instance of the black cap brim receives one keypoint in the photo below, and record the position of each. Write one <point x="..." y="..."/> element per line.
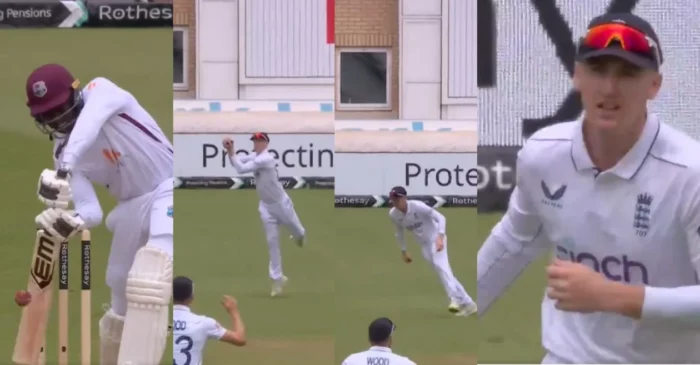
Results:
<point x="633" y="58"/>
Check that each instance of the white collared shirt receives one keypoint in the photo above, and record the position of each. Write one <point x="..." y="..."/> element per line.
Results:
<point x="637" y="223"/>
<point x="267" y="180"/>
<point x="190" y="334"/>
<point x="377" y="355"/>
<point x="423" y="221"/>
<point x="115" y="143"/>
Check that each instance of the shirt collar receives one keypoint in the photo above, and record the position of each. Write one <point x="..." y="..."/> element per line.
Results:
<point x="181" y="307"/>
<point x="628" y="166"/>
<point x="380" y="348"/>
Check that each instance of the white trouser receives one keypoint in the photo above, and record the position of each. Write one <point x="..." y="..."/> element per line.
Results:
<point x="273" y="216"/>
<point x="553" y="359"/>
<point x="441" y="264"/>
<point x="134" y="223"/>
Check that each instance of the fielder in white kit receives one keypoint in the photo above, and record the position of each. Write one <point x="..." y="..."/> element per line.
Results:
<point x="381" y="332"/>
<point x="276" y="208"/>
<point x="102" y="135"/>
<point x="192" y="331"/>
<point x="428" y="228"/>
<point x="615" y="197"/>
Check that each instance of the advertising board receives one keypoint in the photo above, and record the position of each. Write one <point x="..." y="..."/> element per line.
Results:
<point x="517" y="96"/>
<point x="302" y="159"/>
<point x="440" y="179"/>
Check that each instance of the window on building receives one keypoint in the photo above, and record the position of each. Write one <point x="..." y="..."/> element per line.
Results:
<point x="180" y="59"/>
<point x="365" y="79"/>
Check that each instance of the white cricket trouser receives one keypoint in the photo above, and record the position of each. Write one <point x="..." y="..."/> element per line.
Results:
<point x="273" y="216"/>
<point x="134" y="223"/>
<point x="441" y="264"/>
<point x="552" y="359"/>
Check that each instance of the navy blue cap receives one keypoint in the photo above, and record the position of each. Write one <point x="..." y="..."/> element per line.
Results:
<point x="260" y="136"/>
<point x="397" y="192"/>
<point x="652" y="61"/>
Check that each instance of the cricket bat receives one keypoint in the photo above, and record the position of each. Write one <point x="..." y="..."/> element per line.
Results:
<point x="31" y="336"/>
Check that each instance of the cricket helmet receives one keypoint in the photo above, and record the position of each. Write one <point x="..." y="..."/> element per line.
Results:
<point x="54" y="99"/>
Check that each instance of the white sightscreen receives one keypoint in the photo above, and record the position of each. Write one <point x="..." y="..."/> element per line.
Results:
<point x="532" y="83"/>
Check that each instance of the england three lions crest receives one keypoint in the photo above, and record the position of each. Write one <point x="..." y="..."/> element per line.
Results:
<point x="642" y="214"/>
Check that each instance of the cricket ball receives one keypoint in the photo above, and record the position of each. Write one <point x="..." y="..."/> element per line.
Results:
<point x="23" y="298"/>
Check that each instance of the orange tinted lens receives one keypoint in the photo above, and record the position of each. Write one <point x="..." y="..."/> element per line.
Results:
<point x="631" y="39"/>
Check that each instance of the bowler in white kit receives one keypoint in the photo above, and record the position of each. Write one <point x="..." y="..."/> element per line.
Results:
<point x="615" y="197"/>
<point x="276" y="208"/>
<point x="428" y="228"/>
<point x="381" y="332"/>
<point x="192" y="331"/>
<point x="103" y="136"/>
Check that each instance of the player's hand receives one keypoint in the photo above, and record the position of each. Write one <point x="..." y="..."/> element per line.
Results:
<point x="439" y="244"/>
<point x="229" y="303"/>
<point x="406" y="257"/>
<point x="228" y="146"/>
<point x="54" y="191"/>
<point x="576" y="287"/>
<point x="62" y="225"/>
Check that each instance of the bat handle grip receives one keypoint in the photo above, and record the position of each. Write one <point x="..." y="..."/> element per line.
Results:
<point x="62" y="174"/>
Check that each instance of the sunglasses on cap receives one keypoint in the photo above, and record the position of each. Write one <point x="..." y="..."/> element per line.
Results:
<point x="259" y="137"/>
<point x="396" y="194"/>
<point x="630" y="39"/>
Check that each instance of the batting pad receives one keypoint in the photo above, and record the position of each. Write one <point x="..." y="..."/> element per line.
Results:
<point x="148" y="291"/>
<point x="111" y="328"/>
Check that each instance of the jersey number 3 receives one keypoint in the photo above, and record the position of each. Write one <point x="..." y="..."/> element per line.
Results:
<point x="185" y="344"/>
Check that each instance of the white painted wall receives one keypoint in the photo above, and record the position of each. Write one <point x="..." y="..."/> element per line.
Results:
<point x="217" y="58"/>
<point x="286" y="59"/>
<point x="285" y="39"/>
<point x="437" y="77"/>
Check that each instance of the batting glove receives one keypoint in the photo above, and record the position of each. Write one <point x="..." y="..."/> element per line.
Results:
<point x="54" y="191"/>
<point x="62" y="225"/>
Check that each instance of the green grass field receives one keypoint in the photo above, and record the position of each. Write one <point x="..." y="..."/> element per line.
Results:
<point x="137" y="60"/>
<point x="510" y="331"/>
<point x="349" y="273"/>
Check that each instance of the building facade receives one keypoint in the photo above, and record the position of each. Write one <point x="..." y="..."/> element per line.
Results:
<point x="376" y="59"/>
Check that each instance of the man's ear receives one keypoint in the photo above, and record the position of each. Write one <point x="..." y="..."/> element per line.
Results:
<point x="575" y="77"/>
<point x="656" y="86"/>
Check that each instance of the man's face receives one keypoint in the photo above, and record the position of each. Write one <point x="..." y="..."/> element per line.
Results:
<point x="259" y="145"/>
<point x="614" y="92"/>
<point x="399" y="202"/>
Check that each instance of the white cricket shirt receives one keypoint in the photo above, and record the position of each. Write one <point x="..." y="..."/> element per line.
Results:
<point x="377" y="355"/>
<point x="264" y="168"/>
<point x="190" y="335"/>
<point x="423" y="221"/>
<point x="115" y="143"/>
<point x="637" y="223"/>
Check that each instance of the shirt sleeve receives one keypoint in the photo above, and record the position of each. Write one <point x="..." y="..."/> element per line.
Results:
<point x="106" y="100"/>
<point x="513" y="243"/>
<point x="680" y="306"/>
<point x="214" y="330"/>
<point x="246" y="158"/>
<point x="692" y="227"/>
<point x="85" y="200"/>
<point x="398" y="232"/>
<point x="252" y="165"/>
